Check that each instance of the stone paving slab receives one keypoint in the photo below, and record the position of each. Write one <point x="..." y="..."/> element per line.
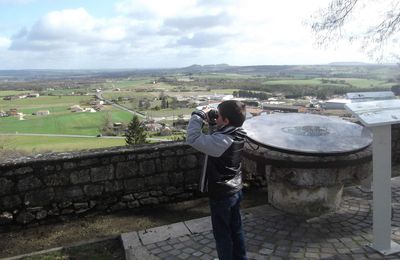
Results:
<point x="199" y="225"/>
<point x="272" y="234"/>
<point x="157" y="234"/>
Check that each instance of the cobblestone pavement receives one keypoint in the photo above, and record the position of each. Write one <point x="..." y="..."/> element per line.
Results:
<point x="272" y="234"/>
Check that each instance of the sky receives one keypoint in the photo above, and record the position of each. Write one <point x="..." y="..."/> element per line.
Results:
<point x="123" y="34"/>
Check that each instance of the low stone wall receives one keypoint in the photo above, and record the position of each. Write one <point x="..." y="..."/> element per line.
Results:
<point x="396" y="144"/>
<point x="32" y="190"/>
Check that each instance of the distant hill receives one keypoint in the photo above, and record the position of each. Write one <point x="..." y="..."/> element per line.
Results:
<point x="349" y="63"/>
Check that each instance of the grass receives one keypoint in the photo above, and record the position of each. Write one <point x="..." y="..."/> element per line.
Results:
<point x="309" y="82"/>
<point x="35" y="144"/>
<point x="44" y="101"/>
<point x="70" y="123"/>
<point x="4" y="93"/>
<point x="104" y="250"/>
<point x="104" y="225"/>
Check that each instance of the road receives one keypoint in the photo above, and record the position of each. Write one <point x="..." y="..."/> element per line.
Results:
<point x="99" y="95"/>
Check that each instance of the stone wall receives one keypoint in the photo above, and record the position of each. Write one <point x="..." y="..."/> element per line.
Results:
<point x="396" y="144"/>
<point x="34" y="190"/>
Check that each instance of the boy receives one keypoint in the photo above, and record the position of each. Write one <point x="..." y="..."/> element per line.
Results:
<point x="222" y="175"/>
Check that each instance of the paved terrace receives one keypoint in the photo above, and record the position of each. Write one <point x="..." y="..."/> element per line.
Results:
<point x="273" y="234"/>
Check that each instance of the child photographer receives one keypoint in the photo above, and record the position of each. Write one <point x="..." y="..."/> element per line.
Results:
<point x="222" y="175"/>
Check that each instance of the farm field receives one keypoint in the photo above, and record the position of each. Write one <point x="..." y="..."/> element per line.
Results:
<point x="37" y="144"/>
<point x="356" y="82"/>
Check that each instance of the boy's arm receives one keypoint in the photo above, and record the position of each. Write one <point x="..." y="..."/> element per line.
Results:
<point x="214" y="145"/>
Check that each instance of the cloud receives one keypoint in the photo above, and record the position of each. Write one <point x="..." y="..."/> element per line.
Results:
<point x="4" y="42"/>
<point x="202" y="40"/>
<point x="199" y="22"/>
<point x="15" y="2"/>
<point x="69" y="27"/>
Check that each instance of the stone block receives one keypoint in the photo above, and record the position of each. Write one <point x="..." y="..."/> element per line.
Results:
<point x="133" y="204"/>
<point x="141" y="195"/>
<point x="25" y="217"/>
<point x="169" y="164"/>
<point x="127" y="170"/>
<point x="69" y="165"/>
<point x="176" y="178"/>
<point x="65" y="204"/>
<point x="118" y="206"/>
<point x="82" y="176"/>
<point x="41" y="197"/>
<point x="156" y="193"/>
<point x="10" y="202"/>
<point x="113" y="186"/>
<point x="188" y="162"/>
<point x="6" y="218"/>
<point x="81" y="205"/>
<point x="118" y="158"/>
<point x="128" y="197"/>
<point x="167" y="153"/>
<point x="157" y="180"/>
<point x="89" y="162"/>
<point x="147" y="168"/>
<point x="41" y="214"/>
<point x="102" y="173"/>
<point x="93" y="190"/>
<point x="169" y="191"/>
<point x="6" y="186"/>
<point x="149" y="201"/>
<point x="57" y="179"/>
<point x="23" y="170"/>
<point x="136" y="184"/>
<point x="192" y="176"/>
<point x="29" y="183"/>
<point x="69" y="193"/>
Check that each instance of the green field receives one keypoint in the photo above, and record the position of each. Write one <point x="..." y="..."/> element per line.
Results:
<point x="72" y="123"/>
<point x="56" y="144"/>
<point x="359" y="83"/>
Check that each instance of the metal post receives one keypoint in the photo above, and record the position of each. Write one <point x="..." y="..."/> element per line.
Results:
<point x="382" y="197"/>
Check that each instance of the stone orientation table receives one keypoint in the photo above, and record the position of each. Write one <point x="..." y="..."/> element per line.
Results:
<point x="307" y="159"/>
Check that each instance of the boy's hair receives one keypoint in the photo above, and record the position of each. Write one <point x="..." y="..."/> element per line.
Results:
<point x="234" y="110"/>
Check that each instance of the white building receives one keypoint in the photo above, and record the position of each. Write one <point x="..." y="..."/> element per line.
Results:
<point x="43" y="113"/>
<point x="336" y="103"/>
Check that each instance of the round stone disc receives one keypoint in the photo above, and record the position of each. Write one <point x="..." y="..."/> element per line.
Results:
<point x="307" y="133"/>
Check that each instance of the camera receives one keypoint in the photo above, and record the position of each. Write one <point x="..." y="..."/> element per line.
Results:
<point x="212" y="116"/>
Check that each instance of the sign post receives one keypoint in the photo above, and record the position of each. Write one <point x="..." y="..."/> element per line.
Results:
<point x="379" y="116"/>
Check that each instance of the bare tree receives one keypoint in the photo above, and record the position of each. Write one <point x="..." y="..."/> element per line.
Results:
<point x="331" y="24"/>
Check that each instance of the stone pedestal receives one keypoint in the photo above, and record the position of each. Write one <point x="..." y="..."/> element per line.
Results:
<point x="307" y="185"/>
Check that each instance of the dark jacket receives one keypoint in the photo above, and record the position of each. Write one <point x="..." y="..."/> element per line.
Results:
<point x="222" y="174"/>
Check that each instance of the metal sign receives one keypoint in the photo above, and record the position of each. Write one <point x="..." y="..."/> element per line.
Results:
<point x="379" y="116"/>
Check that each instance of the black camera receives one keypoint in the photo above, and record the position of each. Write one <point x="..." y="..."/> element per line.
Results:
<point x="212" y="116"/>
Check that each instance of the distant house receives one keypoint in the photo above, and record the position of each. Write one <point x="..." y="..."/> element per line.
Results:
<point x="336" y="103"/>
<point x="43" y="113"/>
<point x="280" y="108"/>
<point x="33" y="95"/>
<point x="12" y="112"/>
<point x="76" y="108"/>
<point x="96" y="102"/>
<point x="3" y="114"/>
<point x="89" y="109"/>
<point x="98" y="107"/>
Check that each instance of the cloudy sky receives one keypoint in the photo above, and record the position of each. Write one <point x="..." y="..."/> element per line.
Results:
<point x="92" y="34"/>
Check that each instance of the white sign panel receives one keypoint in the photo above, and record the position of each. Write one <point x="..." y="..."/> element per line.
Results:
<point x="376" y="113"/>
